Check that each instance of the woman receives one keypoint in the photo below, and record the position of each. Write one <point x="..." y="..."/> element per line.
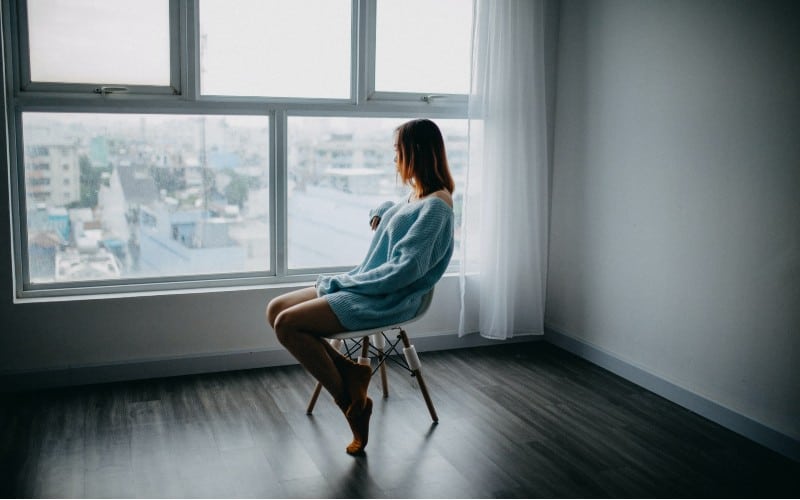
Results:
<point x="409" y="252"/>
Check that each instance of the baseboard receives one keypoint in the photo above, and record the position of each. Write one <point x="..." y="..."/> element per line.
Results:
<point x="747" y="427"/>
<point x="12" y="381"/>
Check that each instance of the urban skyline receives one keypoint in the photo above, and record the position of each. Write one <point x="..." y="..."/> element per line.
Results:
<point x="153" y="196"/>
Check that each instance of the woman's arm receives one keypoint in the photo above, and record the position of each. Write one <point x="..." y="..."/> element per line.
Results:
<point x="376" y="214"/>
<point x="422" y="246"/>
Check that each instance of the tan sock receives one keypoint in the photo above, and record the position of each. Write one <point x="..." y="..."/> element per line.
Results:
<point x="356" y="378"/>
<point x="359" y="425"/>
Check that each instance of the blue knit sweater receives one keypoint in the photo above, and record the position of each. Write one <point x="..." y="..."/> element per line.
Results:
<point x="409" y="252"/>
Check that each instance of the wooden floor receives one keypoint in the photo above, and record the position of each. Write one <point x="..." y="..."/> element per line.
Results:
<point x="521" y="420"/>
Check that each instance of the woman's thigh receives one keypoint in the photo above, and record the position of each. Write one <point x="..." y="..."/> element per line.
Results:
<point x="287" y="300"/>
<point x="313" y="316"/>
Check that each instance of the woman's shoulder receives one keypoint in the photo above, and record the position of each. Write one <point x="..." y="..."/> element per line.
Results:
<point x="433" y="207"/>
<point x="443" y="195"/>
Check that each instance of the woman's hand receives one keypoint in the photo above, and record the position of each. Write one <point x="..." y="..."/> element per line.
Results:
<point x="373" y="222"/>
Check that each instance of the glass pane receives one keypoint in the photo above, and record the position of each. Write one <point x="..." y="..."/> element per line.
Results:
<point x="112" y="196"/>
<point x="341" y="168"/>
<point x="94" y="41"/>
<point x="423" y="46"/>
<point x="297" y="48"/>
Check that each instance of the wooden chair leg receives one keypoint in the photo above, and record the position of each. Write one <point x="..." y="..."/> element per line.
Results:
<point x="365" y="347"/>
<point x="314" y="397"/>
<point x="379" y="342"/>
<point x="418" y="374"/>
<point x="384" y="379"/>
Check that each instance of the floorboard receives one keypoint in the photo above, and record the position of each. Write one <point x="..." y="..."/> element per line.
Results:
<point x="516" y="421"/>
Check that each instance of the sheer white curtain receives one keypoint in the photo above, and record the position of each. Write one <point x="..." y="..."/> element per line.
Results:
<point x="505" y="210"/>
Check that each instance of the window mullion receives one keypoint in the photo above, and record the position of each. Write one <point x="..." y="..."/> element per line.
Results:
<point x="368" y="52"/>
<point x="278" y="192"/>
<point x="184" y="61"/>
<point x="360" y="74"/>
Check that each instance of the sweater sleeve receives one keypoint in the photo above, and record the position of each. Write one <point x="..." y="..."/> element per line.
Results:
<point x="380" y="210"/>
<point x="420" y="248"/>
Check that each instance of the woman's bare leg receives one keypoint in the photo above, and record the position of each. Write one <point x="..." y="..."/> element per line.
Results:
<point x="291" y="299"/>
<point x="354" y="377"/>
<point x="300" y="327"/>
<point x="301" y="321"/>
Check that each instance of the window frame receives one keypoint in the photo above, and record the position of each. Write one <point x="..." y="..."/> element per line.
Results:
<point x="183" y="97"/>
<point x="27" y="85"/>
<point x="370" y="29"/>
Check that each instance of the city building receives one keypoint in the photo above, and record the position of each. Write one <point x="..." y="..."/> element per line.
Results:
<point x="52" y="173"/>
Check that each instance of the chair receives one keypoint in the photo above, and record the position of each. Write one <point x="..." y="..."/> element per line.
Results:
<point x="358" y="343"/>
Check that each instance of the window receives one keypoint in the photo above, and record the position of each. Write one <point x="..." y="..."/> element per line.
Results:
<point x="338" y="169"/>
<point x="423" y="46"/>
<point x="236" y="142"/>
<point x="159" y="195"/>
<point x="304" y="45"/>
<point x="90" y="41"/>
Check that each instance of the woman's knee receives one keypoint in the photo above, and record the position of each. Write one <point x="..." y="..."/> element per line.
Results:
<point x="287" y="300"/>
<point x="283" y="324"/>
<point x="274" y="308"/>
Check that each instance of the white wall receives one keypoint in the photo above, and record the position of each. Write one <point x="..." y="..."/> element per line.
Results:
<point x="675" y="236"/>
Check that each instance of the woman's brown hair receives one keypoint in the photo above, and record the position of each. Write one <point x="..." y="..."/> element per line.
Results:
<point x="421" y="157"/>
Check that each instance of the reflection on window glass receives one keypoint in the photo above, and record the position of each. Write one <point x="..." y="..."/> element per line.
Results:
<point x="89" y="41"/>
<point x="112" y="196"/>
<point x="423" y="46"/>
<point x="297" y="48"/>
<point x="339" y="169"/>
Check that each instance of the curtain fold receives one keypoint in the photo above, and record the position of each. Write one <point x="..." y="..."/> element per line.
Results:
<point x="505" y="204"/>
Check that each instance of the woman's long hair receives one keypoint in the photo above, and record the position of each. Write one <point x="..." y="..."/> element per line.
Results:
<point x="421" y="157"/>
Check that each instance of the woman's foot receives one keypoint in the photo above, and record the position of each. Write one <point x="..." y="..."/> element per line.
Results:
<point x="356" y="379"/>
<point x="359" y="425"/>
